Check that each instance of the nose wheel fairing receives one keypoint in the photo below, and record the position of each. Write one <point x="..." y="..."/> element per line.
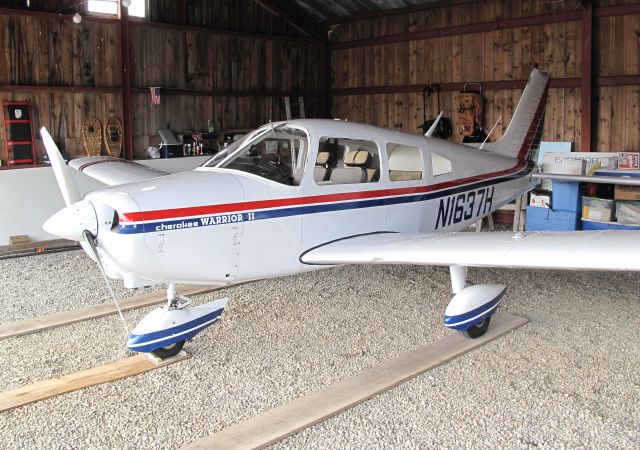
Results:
<point x="165" y="327"/>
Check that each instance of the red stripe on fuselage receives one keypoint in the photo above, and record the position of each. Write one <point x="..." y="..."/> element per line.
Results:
<point x="298" y="201"/>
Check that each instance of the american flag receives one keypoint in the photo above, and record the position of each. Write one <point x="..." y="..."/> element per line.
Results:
<point x="155" y="95"/>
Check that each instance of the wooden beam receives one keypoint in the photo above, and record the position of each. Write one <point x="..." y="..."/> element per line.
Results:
<point x="398" y="11"/>
<point x="134" y="22"/>
<point x="29" y="248"/>
<point x="125" y="57"/>
<point x="68" y="89"/>
<point x="587" y="130"/>
<point x="619" y="10"/>
<point x="271" y="426"/>
<point x="458" y="30"/>
<point x="37" y="324"/>
<point x="149" y="23"/>
<point x="55" y="15"/>
<point x="118" y="370"/>
<point x="328" y="113"/>
<point x="633" y="8"/>
<point x="619" y="80"/>
<point x="215" y="93"/>
<point x="555" y="83"/>
<point x="448" y="87"/>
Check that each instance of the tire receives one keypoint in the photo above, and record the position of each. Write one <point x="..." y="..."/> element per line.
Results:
<point x="169" y="350"/>
<point x="477" y="330"/>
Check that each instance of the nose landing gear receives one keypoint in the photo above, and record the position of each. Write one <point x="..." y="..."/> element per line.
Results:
<point x="165" y="330"/>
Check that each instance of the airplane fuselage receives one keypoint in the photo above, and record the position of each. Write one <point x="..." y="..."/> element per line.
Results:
<point x="221" y="225"/>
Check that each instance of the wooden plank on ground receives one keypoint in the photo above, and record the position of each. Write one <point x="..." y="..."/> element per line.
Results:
<point x="41" y="390"/>
<point x="35" y="247"/>
<point x="56" y="320"/>
<point x="278" y="423"/>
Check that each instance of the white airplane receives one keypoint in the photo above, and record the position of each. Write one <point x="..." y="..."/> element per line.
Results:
<point x="302" y="195"/>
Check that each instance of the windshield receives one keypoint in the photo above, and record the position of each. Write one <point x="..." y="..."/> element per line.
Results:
<point x="278" y="155"/>
<point x="229" y="149"/>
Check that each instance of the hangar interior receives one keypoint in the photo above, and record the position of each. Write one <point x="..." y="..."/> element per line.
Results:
<point x="171" y="83"/>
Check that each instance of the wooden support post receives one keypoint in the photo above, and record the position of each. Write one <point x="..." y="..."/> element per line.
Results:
<point x="327" y="82"/>
<point x="587" y="87"/>
<point x="125" y="55"/>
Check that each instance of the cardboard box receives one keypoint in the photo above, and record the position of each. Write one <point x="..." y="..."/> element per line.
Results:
<point x="597" y="209"/>
<point x="547" y="219"/>
<point x="540" y="199"/>
<point x="552" y="162"/>
<point x="628" y="212"/>
<point x="622" y="192"/>
<point x="629" y="160"/>
<point x="563" y="163"/>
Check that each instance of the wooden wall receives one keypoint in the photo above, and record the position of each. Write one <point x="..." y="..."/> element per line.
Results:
<point x="376" y="80"/>
<point x="229" y="61"/>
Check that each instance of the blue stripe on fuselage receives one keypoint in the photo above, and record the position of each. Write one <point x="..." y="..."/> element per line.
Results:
<point x="197" y="222"/>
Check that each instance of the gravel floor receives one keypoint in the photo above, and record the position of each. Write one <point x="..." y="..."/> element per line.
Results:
<point x="569" y="378"/>
<point x="53" y="282"/>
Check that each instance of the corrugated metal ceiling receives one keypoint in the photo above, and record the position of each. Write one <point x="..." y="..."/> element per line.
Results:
<point x="326" y="10"/>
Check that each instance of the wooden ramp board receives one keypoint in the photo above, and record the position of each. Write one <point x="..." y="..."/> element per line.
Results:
<point x="128" y="367"/>
<point x="42" y="323"/>
<point x="278" y="423"/>
<point x="28" y="248"/>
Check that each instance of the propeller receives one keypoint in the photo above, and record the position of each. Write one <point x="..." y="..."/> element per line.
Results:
<point x="78" y="221"/>
<point x="70" y="191"/>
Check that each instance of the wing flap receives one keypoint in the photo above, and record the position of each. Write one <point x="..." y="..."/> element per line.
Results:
<point x="576" y="250"/>
<point x="114" y="171"/>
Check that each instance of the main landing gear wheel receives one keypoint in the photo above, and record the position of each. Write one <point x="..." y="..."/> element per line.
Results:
<point x="477" y="330"/>
<point x="169" y="350"/>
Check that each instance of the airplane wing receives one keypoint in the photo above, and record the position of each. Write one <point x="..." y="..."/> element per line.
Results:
<point x="114" y="171"/>
<point x="575" y="250"/>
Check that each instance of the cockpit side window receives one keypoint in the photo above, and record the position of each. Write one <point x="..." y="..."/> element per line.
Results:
<point x="346" y="161"/>
<point x="278" y="155"/>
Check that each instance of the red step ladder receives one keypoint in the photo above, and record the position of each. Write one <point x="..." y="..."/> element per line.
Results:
<point x="19" y="133"/>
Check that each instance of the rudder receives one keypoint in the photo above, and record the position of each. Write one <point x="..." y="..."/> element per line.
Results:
<point x="524" y="133"/>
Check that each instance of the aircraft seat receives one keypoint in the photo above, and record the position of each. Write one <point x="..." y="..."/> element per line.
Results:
<point x="354" y="168"/>
<point x="321" y="171"/>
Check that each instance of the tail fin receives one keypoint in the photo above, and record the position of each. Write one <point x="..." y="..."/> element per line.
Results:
<point x="522" y="138"/>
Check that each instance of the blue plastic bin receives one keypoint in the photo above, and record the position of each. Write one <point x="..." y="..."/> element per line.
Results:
<point x="565" y="196"/>
<point x="547" y="219"/>
<point x="599" y="225"/>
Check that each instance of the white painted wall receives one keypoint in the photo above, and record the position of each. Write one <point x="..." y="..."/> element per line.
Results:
<point x="28" y="197"/>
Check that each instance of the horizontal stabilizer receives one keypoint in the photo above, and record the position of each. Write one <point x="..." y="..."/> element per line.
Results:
<point x="114" y="171"/>
<point x="572" y="250"/>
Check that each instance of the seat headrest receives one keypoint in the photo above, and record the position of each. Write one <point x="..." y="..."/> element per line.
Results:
<point x="358" y="158"/>
<point x="323" y="158"/>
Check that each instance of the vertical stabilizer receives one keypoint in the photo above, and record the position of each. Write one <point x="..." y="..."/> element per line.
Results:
<point x="524" y="132"/>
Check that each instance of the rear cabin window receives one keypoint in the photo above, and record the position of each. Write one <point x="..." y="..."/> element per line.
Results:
<point x="405" y="162"/>
<point x="440" y="164"/>
<point x="346" y="161"/>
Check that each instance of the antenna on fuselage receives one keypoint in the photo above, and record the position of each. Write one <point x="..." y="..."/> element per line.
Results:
<point x="489" y="134"/>
<point x="433" y="126"/>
